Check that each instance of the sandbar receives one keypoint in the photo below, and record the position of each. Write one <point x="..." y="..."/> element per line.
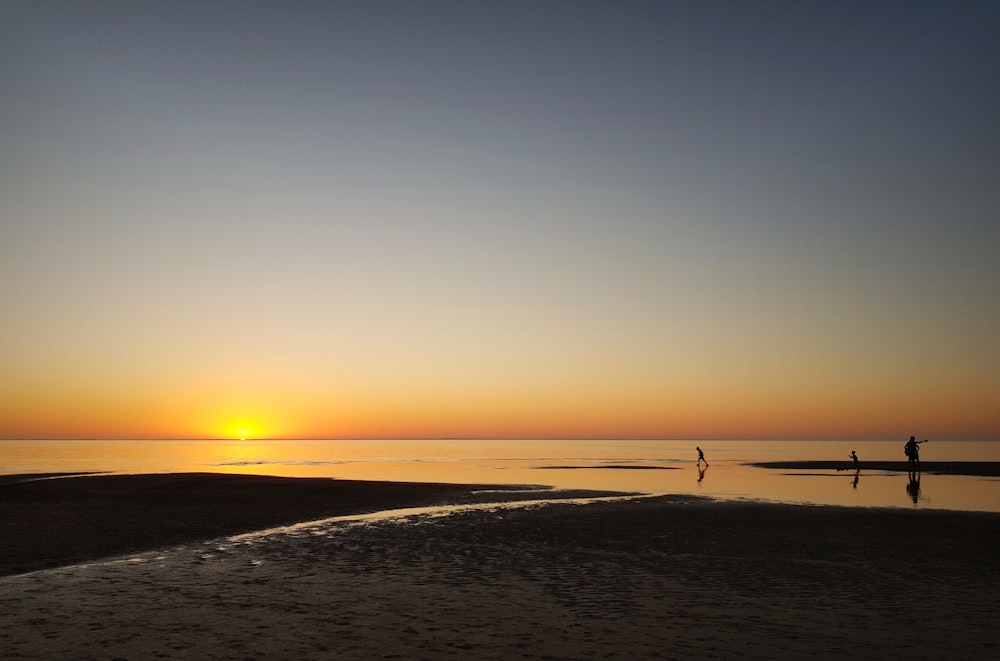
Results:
<point x="53" y="519"/>
<point x="977" y="468"/>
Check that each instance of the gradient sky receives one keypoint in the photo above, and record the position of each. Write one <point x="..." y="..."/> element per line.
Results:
<point x="507" y="219"/>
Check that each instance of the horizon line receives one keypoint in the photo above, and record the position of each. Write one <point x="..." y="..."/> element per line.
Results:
<point x="476" y="438"/>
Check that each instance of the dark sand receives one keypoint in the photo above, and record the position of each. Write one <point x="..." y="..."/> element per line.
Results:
<point x="52" y="522"/>
<point x="980" y="468"/>
<point x="667" y="577"/>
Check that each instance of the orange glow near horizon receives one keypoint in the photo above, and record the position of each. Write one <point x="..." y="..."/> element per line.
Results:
<point x="437" y="390"/>
<point x="528" y="415"/>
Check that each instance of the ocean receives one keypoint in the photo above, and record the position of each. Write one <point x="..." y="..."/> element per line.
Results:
<point x="647" y="466"/>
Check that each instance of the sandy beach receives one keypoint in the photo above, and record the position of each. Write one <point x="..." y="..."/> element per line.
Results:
<point x="665" y="577"/>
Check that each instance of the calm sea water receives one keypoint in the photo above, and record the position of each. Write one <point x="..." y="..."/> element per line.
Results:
<point x="643" y="466"/>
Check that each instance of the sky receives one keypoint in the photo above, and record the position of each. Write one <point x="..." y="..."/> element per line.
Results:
<point x="500" y="219"/>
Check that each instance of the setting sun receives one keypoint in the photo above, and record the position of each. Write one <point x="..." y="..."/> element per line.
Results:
<point x="242" y="429"/>
<point x="237" y="417"/>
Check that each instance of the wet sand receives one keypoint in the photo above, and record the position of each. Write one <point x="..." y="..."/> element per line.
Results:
<point x="80" y="517"/>
<point x="666" y="577"/>
<point x="977" y="468"/>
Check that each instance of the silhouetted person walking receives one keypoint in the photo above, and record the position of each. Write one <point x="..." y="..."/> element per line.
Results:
<point x="701" y="456"/>
<point x="854" y="456"/>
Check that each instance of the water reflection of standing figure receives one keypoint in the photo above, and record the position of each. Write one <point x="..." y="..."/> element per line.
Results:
<point x="913" y="487"/>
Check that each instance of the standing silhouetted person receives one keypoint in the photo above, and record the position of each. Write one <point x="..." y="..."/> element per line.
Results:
<point x="701" y="456"/>
<point x="854" y="456"/>
<point x="912" y="451"/>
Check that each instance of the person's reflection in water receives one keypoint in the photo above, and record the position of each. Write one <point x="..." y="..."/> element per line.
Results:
<point x="913" y="487"/>
<point x="701" y="471"/>
<point x="857" y="477"/>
